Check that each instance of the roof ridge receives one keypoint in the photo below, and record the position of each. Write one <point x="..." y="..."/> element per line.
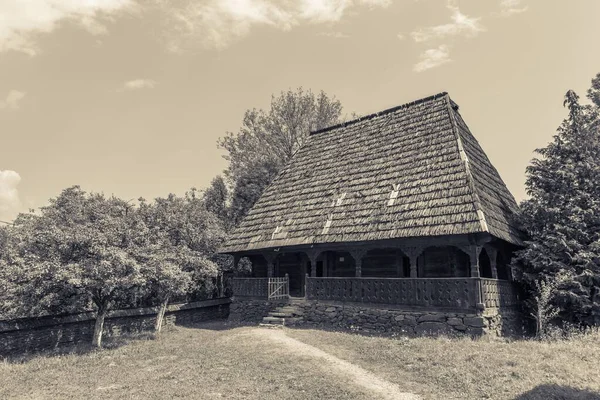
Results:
<point x="451" y="108"/>
<point x="380" y="113"/>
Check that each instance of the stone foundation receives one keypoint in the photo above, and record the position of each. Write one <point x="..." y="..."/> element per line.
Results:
<point x="381" y="319"/>
<point x="247" y="310"/>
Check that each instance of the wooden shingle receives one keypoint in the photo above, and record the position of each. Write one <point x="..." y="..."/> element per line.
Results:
<point x="423" y="150"/>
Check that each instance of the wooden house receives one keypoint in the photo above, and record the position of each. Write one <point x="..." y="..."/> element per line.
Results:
<point x="399" y="207"/>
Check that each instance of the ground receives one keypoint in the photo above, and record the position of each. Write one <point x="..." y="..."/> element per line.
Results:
<point x="221" y="361"/>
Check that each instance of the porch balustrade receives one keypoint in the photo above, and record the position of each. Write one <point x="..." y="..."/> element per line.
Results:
<point x="250" y="287"/>
<point x="498" y="293"/>
<point x="444" y="293"/>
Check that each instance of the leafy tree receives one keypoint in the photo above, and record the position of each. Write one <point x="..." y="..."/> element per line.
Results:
<point x="215" y="199"/>
<point x="179" y="257"/>
<point x="268" y="139"/>
<point x="561" y="216"/>
<point x="79" y="252"/>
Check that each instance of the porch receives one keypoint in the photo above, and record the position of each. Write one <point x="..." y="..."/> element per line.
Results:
<point x="459" y="294"/>
<point x="456" y="272"/>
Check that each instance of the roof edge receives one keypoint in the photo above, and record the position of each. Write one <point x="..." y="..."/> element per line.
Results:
<point x="380" y="113"/>
<point x="452" y="108"/>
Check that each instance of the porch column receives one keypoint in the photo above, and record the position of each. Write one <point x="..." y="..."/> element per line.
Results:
<point x="270" y="257"/>
<point x="413" y="253"/>
<point x="493" y="256"/>
<point x="312" y="256"/>
<point x="473" y="251"/>
<point x="358" y="255"/>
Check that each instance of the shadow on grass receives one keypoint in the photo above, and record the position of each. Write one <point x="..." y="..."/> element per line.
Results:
<point x="556" y="392"/>
<point x="108" y="343"/>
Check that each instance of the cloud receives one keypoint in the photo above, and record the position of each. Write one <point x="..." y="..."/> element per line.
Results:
<point x="138" y="84"/>
<point x="511" y="7"/>
<point x="10" y="204"/>
<point x="21" y="20"/>
<point x="12" y="100"/>
<point x="461" y="25"/>
<point x="218" y="23"/>
<point x="433" y="58"/>
<point x="335" y="35"/>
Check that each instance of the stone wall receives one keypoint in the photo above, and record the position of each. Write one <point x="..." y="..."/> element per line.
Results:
<point x="248" y="310"/>
<point x="382" y="319"/>
<point x="47" y="333"/>
<point x="375" y="319"/>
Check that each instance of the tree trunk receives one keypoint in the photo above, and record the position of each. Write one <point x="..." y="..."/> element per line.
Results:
<point x="98" y="327"/>
<point x="161" y="316"/>
<point x="220" y="280"/>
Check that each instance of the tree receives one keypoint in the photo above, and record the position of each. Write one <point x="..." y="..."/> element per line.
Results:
<point x="215" y="200"/>
<point x="561" y="216"/>
<point x="183" y="240"/>
<point x="268" y="139"/>
<point x="80" y="251"/>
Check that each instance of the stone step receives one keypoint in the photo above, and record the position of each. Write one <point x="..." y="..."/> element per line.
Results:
<point x="273" y="320"/>
<point x="281" y="314"/>
<point x="293" y="321"/>
<point x="289" y="309"/>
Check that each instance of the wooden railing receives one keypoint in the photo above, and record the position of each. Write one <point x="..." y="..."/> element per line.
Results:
<point x="267" y="288"/>
<point x="451" y="293"/>
<point x="250" y="287"/>
<point x="498" y="293"/>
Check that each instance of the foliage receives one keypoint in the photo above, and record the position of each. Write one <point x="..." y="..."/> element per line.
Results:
<point x="180" y="258"/>
<point x="268" y="139"/>
<point x="541" y="303"/>
<point x="561" y="216"/>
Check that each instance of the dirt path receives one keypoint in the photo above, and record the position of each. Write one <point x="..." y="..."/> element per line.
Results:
<point x="360" y="376"/>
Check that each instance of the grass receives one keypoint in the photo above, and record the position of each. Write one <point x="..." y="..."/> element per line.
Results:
<point x="215" y="361"/>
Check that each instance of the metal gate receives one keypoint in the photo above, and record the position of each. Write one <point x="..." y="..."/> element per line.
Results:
<point x="279" y="288"/>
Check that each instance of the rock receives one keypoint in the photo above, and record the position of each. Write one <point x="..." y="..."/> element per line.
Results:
<point x="330" y="309"/>
<point x="454" y="321"/>
<point x="408" y="320"/>
<point x="476" y="322"/>
<point x="399" y="318"/>
<point x="432" y="318"/>
<point x="460" y="327"/>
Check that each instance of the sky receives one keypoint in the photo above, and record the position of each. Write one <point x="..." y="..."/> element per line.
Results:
<point x="129" y="97"/>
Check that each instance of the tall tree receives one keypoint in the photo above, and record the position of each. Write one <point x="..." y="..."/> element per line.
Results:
<point x="561" y="216"/>
<point x="215" y="199"/>
<point x="180" y="257"/>
<point x="268" y="139"/>
<point x="80" y="250"/>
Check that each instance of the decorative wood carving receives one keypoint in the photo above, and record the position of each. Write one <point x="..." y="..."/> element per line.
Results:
<point x="358" y="254"/>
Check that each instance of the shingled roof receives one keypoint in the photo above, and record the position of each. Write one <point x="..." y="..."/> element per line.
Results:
<point x="411" y="171"/>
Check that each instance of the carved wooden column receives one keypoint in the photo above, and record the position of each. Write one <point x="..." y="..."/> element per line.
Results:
<point x="312" y="256"/>
<point x="270" y="257"/>
<point x="358" y="255"/>
<point x="473" y="251"/>
<point x="493" y="256"/>
<point x="413" y="253"/>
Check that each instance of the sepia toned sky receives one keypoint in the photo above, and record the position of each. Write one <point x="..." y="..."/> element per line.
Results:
<point x="128" y="97"/>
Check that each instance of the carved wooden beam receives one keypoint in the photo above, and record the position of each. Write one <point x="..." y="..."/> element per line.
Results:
<point x="492" y="253"/>
<point x="358" y="254"/>
<point x="413" y="253"/>
<point x="271" y="258"/>
<point x="473" y="252"/>
<point x="312" y="255"/>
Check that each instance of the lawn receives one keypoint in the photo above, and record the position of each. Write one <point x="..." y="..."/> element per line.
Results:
<point x="220" y="361"/>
